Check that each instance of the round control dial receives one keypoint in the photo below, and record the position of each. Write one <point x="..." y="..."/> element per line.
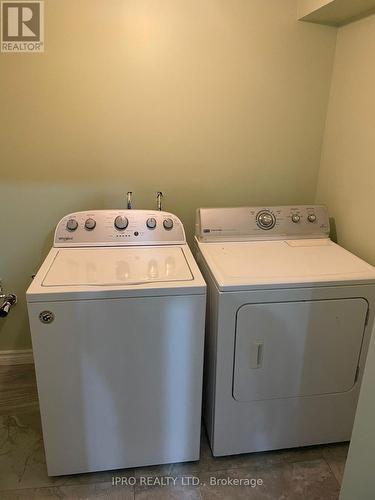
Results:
<point x="71" y="225"/>
<point x="265" y="220"/>
<point x="311" y="218"/>
<point x="151" y="223"/>
<point x="296" y="218"/>
<point x="90" y="224"/>
<point x="121" y="222"/>
<point x="168" y="224"/>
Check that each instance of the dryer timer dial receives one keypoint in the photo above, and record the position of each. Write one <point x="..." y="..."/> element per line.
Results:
<point x="265" y="219"/>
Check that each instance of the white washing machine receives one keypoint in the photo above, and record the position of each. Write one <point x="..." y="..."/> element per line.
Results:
<point x="117" y="322"/>
<point x="288" y="326"/>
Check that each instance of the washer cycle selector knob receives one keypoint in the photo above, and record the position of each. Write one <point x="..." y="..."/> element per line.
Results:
<point x="71" y="225"/>
<point x="90" y="224"/>
<point x="265" y="220"/>
<point x="311" y="218"/>
<point x="151" y="223"/>
<point x="121" y="222"/>
<point x="296" y="218"/>
<point x="168" y="224"/>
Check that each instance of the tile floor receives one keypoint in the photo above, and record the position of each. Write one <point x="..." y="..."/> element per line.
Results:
<point x="312" y="473"/>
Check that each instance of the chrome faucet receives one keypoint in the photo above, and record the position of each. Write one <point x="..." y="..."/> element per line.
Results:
<point x="159" y="197"/>
<point x="129" y="202"/>
<point x="8" y="301"/>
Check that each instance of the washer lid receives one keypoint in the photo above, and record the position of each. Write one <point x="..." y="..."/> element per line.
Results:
<point x="117" y="266"/>
<point x="270" y="264"/>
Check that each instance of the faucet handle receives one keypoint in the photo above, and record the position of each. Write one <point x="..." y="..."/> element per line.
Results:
<point x="159" y="197"/>
<point x="9" y="301"/>
<point x="129" y="203"/>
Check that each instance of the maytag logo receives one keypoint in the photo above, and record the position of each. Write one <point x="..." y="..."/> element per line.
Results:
<point x="22" y="26"/>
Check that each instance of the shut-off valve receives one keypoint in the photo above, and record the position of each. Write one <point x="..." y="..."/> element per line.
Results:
<point x="7" y="301"/>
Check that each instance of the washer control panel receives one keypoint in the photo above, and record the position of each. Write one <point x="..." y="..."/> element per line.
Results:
<point x="254" y="223"/>
<point x="119" y="228"/>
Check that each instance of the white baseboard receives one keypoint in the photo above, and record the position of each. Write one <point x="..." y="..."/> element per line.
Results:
<point x="21" y="357"/>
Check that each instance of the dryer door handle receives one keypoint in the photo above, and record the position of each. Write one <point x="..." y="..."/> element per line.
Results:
<point x="256" y="354"/>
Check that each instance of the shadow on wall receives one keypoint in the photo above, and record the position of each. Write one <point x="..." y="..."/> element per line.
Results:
<point x="333" y="229"/>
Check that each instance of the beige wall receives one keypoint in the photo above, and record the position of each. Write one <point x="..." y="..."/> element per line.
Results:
<point x="214" y="102"/>
<point x="347" y="176"/>
<point x="347" y="185"/>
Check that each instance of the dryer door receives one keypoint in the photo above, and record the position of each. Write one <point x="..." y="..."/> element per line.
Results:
<point x="291" y="349"/>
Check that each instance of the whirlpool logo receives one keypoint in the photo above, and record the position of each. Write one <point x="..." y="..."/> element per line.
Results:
<point x="22" y="26"/>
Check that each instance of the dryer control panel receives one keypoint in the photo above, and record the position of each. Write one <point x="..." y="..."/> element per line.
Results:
<point x="119" y="228"/>
<point x="262" y="223"/>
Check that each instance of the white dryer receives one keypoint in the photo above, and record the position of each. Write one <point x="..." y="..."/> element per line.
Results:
<point x="117" y="323"/>
<point x="288" y="325"/>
